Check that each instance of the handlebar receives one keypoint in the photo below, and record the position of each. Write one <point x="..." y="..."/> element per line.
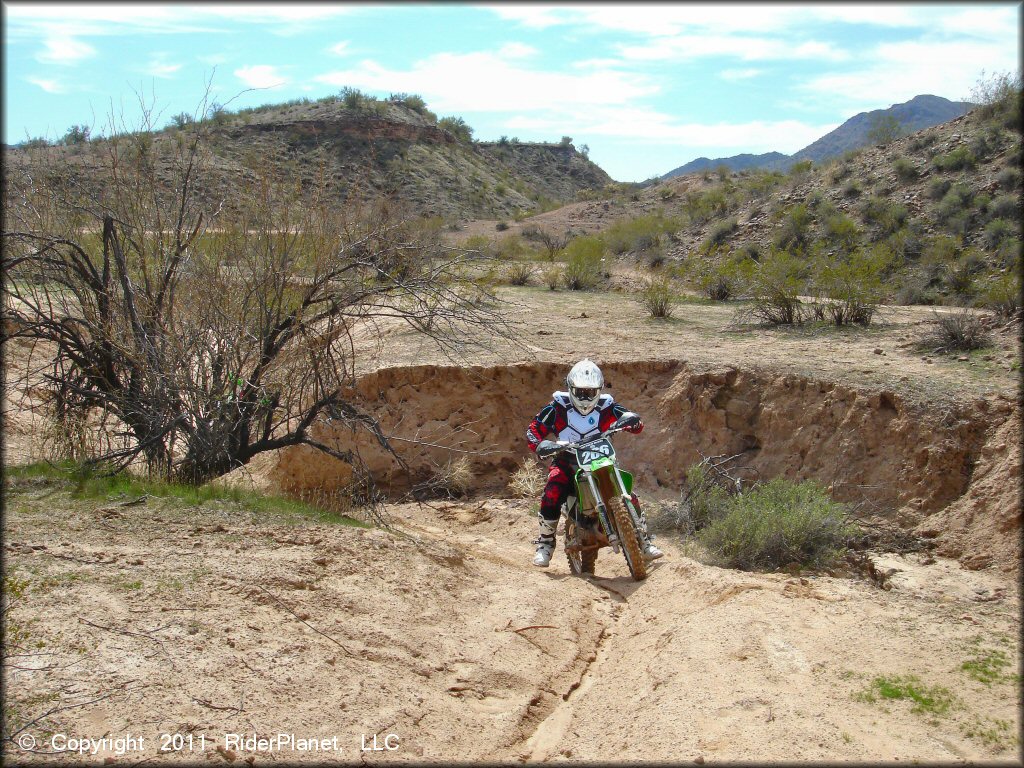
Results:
<point x="562" y="445"/>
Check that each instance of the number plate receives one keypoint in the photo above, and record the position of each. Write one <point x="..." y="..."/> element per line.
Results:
<point x="600" y="449"/>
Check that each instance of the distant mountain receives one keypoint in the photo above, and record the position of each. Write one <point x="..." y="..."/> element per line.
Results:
<point x="920" y="112"/>
<point x="734" y="163"/>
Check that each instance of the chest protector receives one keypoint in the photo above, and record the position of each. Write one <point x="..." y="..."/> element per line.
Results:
<point x="577" y="425"/>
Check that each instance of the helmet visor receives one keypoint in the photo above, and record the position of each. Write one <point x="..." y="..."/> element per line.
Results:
<point x="585" y="393"/>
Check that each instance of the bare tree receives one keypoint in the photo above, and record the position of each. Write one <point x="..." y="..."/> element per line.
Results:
<point x="211" y="332"/>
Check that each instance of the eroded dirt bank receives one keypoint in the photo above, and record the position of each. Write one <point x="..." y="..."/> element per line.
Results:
<point x="950" y="473"/>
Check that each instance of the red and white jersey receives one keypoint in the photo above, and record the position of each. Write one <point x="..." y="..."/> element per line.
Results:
<point x="564" y="422"/>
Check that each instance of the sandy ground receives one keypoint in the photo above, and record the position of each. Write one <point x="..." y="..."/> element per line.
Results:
<point x="206" y="622"/>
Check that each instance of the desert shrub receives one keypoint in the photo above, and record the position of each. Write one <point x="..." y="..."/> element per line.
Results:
<point x="717" y="275"/>
<point x="1001" y="294"/>
<point x="960" y="330"/>
<point x="884" y="129"/>
<point x="76" y="134"/>
<point x="836" y="172"/>
<point x="501" y="226"/>
<point x="778" y="523"/>
<point x="851" y="188"/>
<point x="701" y="207"/>
<point x="657" y="297"/>
<point x="719" y="233"/>
<point x="800" y="168"/>
<point x="999" y="97"/>
<point x="775" y="286"/>
<point x="704" y="498"/>
<point x="552" y="277"/>
<point x="452" y="479"/>
<point x="998" y="230"/>
<point x="953" y="211"/>
<point x="1009" y="252"/>
<point x="528" y="480"/>
<point x="905" y="170"/>
<point x="848" y="290"/>
<point x="1009" y="177"/>
<point x="520" y="272"/>
<point x="887" y="215"/>
<point x="1005" y="207"/>
<point x="907" y="242"/>
<point x="937" y="188"/>
<point x="457" y="127"/>
<point x="958" y="159"/>
<point x="638" y="234"/>
<point x="760" y="183"/>
<point x="921" y="140"/>
<point x="583" y="262"/>
<point x="794" y="231"/>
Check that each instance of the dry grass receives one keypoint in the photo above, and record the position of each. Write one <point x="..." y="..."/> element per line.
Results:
<point x="527" y="481"/>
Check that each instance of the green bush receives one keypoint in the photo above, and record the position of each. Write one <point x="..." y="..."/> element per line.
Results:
<point x="1001" y="294"/>
<point x="638" y="234"/>
<point x="842" y="231"/>
<point x="848" y="290"/>
<point x="458" y="127"/>
<point x="658" y="298"/>
<point x="583" y="268"/>
<point x="1005" y="207"/>
<point x="717" y="275"/>
<point x="719" y="233"/>
<point x="778" y="523"/>
<point x="851" y="188"/>
<point x="1009" y="177"/>
<point x="937" y="188"/>
<point x="794" y="231"/>
<point x="701" y="207"/>
<point x="520" y="272"/>
<point x="958" y="331"/>
<point x="998" y="230"/>
<point x="958" y="159"/>
<point x="552" y="277"/>
<point x="954" y="210"/>
<point x="775" y="286"/>
<point x="905" y="170"/>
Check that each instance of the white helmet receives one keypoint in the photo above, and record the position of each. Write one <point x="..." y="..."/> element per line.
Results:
<point x="584" y="382"/>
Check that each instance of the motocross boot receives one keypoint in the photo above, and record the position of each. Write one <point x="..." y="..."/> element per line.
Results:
<point x="545" y="543"/>
<point x="650" y="552"/>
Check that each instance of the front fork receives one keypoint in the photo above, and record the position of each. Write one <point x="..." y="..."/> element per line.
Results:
<point x="602" y="510"/>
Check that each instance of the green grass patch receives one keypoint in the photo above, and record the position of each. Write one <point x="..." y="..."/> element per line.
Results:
<point x="934" y="700"/>
<point x="85" y="483"/>
<point x="988" y="666"/>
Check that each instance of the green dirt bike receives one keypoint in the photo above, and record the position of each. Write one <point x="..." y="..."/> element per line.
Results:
<point x="602" y="513"/>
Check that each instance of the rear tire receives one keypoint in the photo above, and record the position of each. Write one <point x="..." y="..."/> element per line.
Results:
<point x="629" y="539"/>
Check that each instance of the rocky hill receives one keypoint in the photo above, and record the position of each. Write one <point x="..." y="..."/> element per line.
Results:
<point x="920" y="112"/>
<point x="367" y="147"/>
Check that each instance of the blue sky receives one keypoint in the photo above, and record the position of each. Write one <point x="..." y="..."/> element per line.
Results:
<point x="646" y="87"/>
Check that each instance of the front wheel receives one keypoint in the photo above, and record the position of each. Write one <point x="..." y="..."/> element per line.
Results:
<point x="579" y="562"/>
<point x="629" y="539"/>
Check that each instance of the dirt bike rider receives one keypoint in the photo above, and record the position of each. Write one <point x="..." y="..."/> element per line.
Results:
<point x="581" y="412"/>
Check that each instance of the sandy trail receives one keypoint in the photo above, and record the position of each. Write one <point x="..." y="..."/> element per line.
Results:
<point x="208" y="621"/>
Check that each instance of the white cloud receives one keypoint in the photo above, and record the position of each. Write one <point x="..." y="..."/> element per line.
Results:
<point x="516" y="51"/>
<point x="685" y="47"/>
<point x="896" y="72"/>
<point x="739" y="74"/>
<point x="65" y="50"/>
<point x="651" y="126"/>
<point x="158" y="67"/>
<point x="260" y="76"/>
<point x="50" y="86"/>
<point x="486" y="82"/>
<point x="339" y="49"/>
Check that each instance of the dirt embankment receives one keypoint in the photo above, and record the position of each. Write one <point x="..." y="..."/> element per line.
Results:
<point x="952" y="473"/>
